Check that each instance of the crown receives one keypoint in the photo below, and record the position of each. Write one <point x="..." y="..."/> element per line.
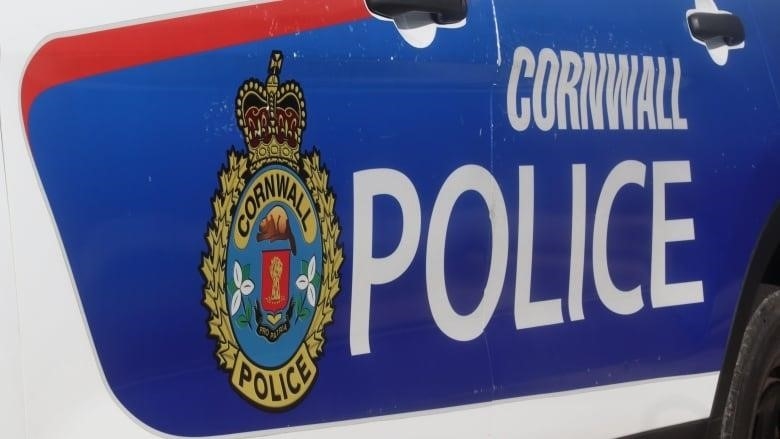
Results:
<point x="272" y="116"/>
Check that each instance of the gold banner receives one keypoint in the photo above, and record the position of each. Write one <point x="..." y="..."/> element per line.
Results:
<point x="277" y="388"/>
<point x="274" y="185"/>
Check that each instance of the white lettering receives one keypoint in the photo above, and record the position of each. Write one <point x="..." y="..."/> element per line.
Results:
<point x="456" y="326"/>
<point x="678" y="122"/>
<point x="544" y="109"/>
<point x="665" y="231"/>
<point x="617" y="300"/>
<point x="593" y="80"/>
<point x="571" y="71"/>
<point x="569" y="91"/>
<point x="664" y="123"/>
<point x="621" y="83"/>
<point x="577" y="260"/>
<point x="645" y="108"/>
<point x="367" y="270"/>
<point x="521" y="120"/>
<point x="529" y="314"/>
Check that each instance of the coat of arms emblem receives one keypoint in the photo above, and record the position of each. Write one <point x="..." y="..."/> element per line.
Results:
<point x="271" y="270"/>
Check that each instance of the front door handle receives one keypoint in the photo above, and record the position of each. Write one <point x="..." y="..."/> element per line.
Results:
<point x="708" y="26"/>
<point x="441" y="11"/>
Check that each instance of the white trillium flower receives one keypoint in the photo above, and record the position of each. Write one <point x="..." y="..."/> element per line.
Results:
<point x="243" y="288"/>
<point x="304" y="281"/>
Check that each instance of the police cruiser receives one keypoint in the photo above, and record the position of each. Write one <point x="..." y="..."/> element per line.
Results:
<point x="390" y="218"/>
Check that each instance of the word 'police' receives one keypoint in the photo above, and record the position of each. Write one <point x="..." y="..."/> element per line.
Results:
<point x="368" y="270"/>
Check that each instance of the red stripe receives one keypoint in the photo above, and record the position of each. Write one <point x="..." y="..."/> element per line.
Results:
<point x="70" y="58"/>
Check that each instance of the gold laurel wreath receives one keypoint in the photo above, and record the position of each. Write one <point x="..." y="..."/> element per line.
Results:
<point x="213" y="266"/>
<point x="332" y="252"/>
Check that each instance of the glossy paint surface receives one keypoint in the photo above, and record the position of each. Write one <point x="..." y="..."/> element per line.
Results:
<point x="129" y="160"/>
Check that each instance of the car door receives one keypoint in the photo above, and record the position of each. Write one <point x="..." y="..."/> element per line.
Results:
<point x="638" y="172"/>
<point x="293" y="213"/>
<point x="243" y="199"/>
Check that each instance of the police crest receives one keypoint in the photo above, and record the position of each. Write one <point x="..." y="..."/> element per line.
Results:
<point x="272" y="266"/>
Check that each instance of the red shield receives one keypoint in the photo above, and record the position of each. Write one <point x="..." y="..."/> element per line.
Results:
<point x="276" y="280"/>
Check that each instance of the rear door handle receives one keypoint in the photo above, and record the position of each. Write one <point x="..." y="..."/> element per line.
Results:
<point x="441" y="11"/>
<point x="707" y="26"/>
